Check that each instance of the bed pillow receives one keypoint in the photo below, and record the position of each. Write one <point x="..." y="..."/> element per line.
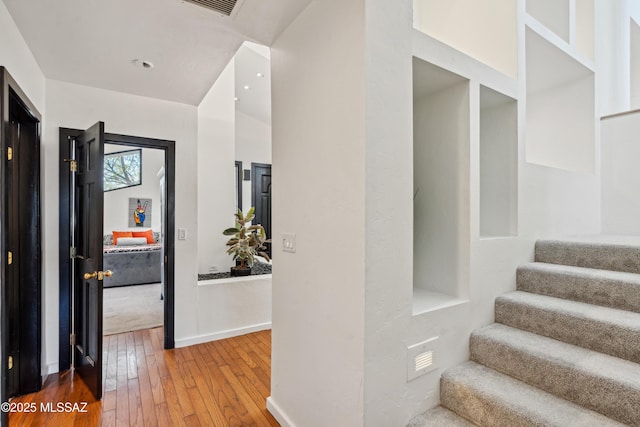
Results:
<point x="148" y="234"/>
<point x="119" y="234"/>
<point x="131" y="241"/>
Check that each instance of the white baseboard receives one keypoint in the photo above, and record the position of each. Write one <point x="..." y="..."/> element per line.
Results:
<point x="278" y="413"/>
<point x="51" y="368"/>
<point x="222" y="335"/>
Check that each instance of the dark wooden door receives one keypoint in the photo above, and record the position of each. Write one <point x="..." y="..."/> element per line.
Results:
<point x="13" y="268"/>
<point x="22" y="288"/>
<point x="87" y="240"/>
<point x="261" y="197"/>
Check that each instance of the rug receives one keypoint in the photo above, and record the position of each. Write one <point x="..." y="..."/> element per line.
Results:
<point x="130" y="308"/>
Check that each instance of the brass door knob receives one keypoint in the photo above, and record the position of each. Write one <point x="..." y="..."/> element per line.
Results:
<point x="100" y="275"/>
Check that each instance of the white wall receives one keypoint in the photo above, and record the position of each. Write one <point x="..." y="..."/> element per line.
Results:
<point x="483" y="29"/>
<point x="620" y="174"/>
<point x="216" y="178"/>
<point x="554" y="14"/>
<point x="231" y="307"/>
<point x="253" y="145"/>
<point x="116" y="203"/>
<point x="16" y="57"/>
<point x="612" y="54"/>
<point x="75" y="106"/>
<point x="318" y="116"/>
<point x="561" y="126"/>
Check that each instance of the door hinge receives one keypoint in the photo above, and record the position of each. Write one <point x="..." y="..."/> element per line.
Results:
<point x="10" y="363"/>
<point x="9" y="258"/>
<point x="73" y="165"/>
<point x="73" y="252"/>
<point x="9" y="153"/>
<point x="72" y="339"/>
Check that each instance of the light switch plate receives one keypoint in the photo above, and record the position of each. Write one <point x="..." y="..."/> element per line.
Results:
<point x="182" y="234"/>
<point x="289" y="242"/>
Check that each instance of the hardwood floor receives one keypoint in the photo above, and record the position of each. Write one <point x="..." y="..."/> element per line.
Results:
<point x="221" y="383"/>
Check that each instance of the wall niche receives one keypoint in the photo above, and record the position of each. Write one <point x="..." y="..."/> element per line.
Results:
<point x="441" y="135"/>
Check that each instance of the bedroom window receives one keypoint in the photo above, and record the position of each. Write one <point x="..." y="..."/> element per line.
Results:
<point x="122" y="169"/>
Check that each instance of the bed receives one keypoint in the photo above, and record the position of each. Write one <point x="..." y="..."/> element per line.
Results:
<point x="132" y="264"/>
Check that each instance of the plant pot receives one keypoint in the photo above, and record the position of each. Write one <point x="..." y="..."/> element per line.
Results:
<point x="239" y="272"/>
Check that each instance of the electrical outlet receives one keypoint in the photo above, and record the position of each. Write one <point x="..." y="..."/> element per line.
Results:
<point x="289" y="242"/>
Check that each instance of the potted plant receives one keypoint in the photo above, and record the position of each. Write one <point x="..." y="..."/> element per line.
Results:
<point x="246" y="242"/>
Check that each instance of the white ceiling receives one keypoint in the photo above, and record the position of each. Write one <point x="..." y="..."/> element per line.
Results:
<point x="255" y="101"/>
<point x="93" y="43"/>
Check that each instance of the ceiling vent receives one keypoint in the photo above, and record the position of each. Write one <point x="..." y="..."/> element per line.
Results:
<point x="224" y="7"/>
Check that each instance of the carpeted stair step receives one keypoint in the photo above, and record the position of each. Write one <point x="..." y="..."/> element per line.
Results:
<point x="601" y="287"/>
<point x="490" y="398"/>
<point x="603" y="329"/>
<point x="439" y="417"/>
<point x="597" y="381"/>
<point x="600" y="255"/>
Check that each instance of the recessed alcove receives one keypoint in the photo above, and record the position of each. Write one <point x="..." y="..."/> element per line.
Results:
<point x="553" y="14"/>
<point x="634" y="35"/>
<point x="560" y="116"/>
<point x="441" y="112"/>
<point x="498" y="164"/>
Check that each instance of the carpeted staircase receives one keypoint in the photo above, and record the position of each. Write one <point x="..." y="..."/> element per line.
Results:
<point x="565" y="348"/>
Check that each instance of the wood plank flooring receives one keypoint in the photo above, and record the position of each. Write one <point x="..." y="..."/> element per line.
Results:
<point x="220" y="383"/>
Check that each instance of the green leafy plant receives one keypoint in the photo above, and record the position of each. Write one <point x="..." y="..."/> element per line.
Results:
<point x="247" y="241"/>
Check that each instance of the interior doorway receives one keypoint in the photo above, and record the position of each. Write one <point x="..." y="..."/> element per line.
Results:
<point x="20" y="241"/>
<point x="168" y="231"/>
<point x="134" y="201"/>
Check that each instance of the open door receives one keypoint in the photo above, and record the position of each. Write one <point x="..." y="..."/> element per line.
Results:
<point x="87" y="201"/>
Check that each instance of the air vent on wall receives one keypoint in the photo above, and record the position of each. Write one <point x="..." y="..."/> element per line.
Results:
<point x="221" y="6"/>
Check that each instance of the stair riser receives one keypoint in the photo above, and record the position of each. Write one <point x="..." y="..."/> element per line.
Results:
<point x="439" y="417"/>
<point x="598" y="291"/>
<point x="489" y="398"/>
<point x="588" y="333"/>
<point x="590" y="255"/>
<point x="614" y="399"/>
<point x="481" y="409"/>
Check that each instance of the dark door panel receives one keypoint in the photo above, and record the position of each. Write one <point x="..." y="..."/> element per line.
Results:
<point x="87" y="239"/>
<point x="261" y="198"/>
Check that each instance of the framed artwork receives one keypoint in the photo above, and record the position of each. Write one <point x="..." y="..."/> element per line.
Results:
<point x="139" y="212"/>
<point x="122" y="169"/>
